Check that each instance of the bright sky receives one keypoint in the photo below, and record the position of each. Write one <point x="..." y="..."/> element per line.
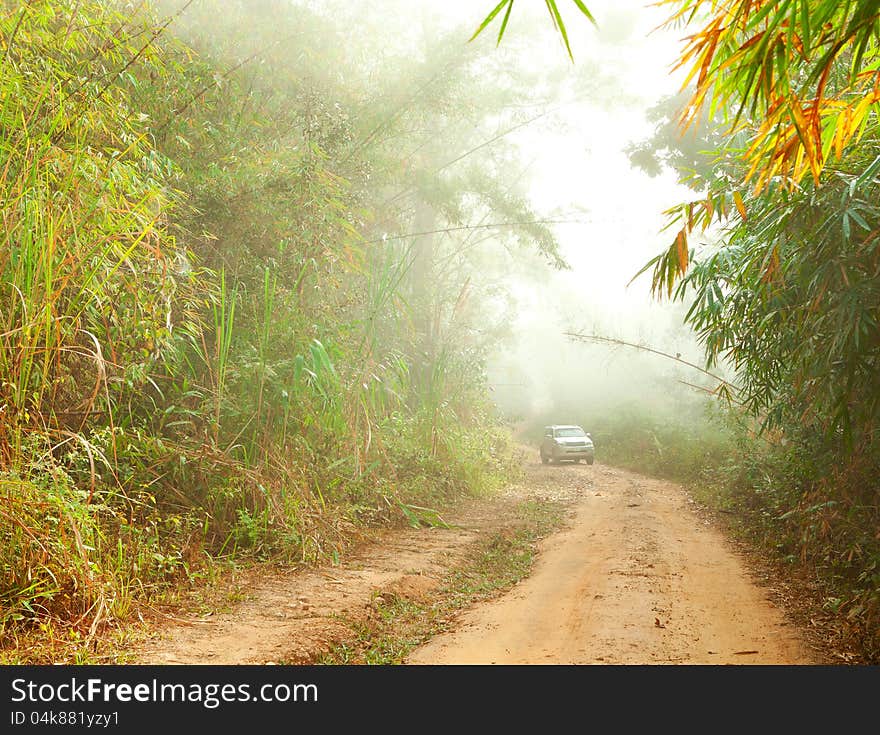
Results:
<point x="582" y="164"/>
<point x="588" y="164"/>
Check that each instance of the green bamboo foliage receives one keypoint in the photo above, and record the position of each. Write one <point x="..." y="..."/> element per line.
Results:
<point x="87" y="292"/>
<point x="224" y="321"/>
<point x="85" y="262"/>
<point x="202" y="354"/>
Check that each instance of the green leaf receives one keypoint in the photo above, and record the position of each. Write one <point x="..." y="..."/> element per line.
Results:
<point x="560" y="26"/>
<point x="411" y="517"/>
<point x="504" y="23"/>
<point x="489" y="18"/>
<point x="583" y="9"/>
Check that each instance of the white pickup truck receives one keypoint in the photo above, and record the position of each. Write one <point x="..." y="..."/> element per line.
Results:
<point x="562" y="442"/>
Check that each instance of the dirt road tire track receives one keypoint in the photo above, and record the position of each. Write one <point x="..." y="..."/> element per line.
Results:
<point x="637" y="576"/>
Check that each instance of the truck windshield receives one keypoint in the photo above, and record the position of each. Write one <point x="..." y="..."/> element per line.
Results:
<point x="573" y="431"/>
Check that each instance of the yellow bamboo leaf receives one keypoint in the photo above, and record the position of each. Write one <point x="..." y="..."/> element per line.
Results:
<point x="740" y="206"/>
<point x="840" y="131"/>
<point x="681" y="251"/>
<point x="709" y="207"/>
<point x="771" y="266"/>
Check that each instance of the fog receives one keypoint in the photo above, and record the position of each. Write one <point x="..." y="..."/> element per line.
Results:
<point x="580" y="162"/>
<point x="567" y="143"/>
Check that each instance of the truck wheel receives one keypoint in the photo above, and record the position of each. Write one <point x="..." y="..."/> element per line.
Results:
<point x="590" y="460"/>
<point x="544" y="458"/>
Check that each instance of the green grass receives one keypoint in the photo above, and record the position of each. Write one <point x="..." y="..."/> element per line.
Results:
<point x="496" y="564"/>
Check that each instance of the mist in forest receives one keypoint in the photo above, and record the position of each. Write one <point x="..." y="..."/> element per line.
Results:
<point x="555" y="142"/>
<point x="577" y="162"/>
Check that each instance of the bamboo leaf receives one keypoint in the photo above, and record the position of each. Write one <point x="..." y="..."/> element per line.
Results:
<point x="740" y="206"/>
<point x="489" y="18"/>
<point x="560" y="26"/>
<point x="504" y="23"/>
<point x="585" y="11"/>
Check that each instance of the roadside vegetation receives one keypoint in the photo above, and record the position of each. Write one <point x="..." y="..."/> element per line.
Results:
<point x="400" y="623"/>
<point x="786" y="294"/>
<point x="219" y="340"/>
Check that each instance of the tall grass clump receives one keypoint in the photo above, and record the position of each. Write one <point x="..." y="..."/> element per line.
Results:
<point x="803" y="501"/>
<point x="680" y="447"/>
<point x="89" y="293"/>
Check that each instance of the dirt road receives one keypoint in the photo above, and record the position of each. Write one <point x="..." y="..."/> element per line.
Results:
<point x="636" y="576"/>
<point x="639" y="577"/>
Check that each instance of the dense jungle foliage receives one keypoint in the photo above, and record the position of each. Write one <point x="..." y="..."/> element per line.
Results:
<point x="790" y="293"/>
<point x="217" y="334"/>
